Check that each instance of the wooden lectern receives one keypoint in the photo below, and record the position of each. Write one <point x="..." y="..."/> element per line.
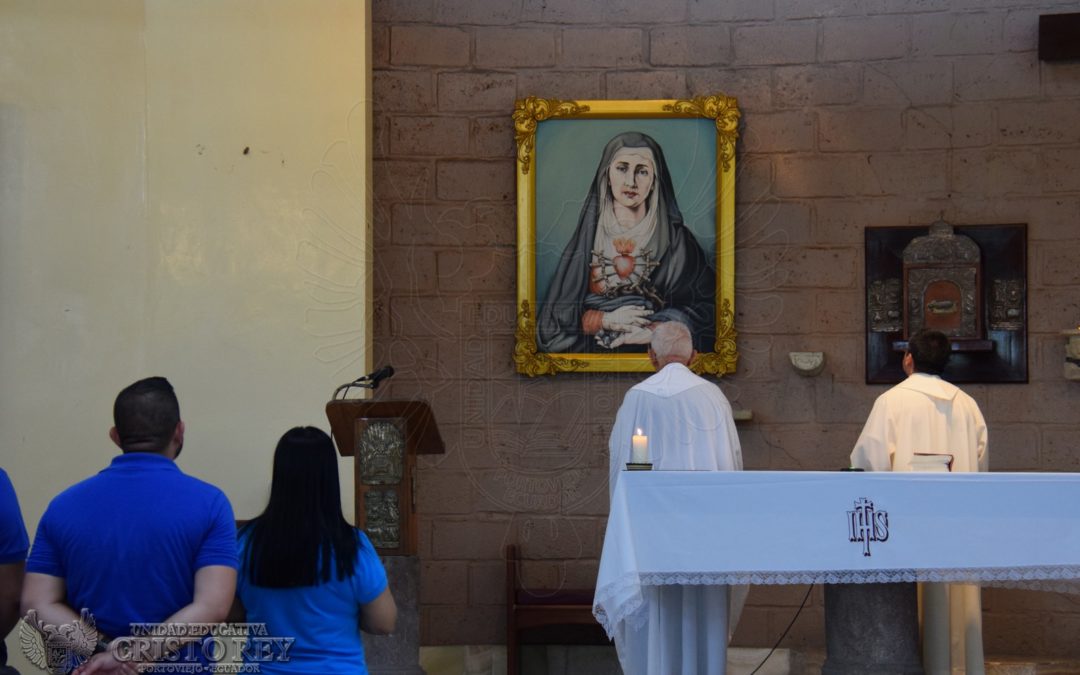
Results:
<point x="384" y="438"/>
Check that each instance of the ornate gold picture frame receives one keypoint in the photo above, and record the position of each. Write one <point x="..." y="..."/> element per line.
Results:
<point x="626" y="217"/>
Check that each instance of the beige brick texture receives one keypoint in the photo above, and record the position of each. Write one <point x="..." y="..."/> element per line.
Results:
<point x="463" y="180"/>
<point x="855" y="114"/>
<point x="573" y="12"/>
<point x="731" y="10"/>
<point x="604" y="48"/>
<point x="865" y="39"/>
<point x="707" y="45"/>
<point x="476" y="270"/>
<point x="475" y="12"/>
<point x="938" y="127"/>
<point x="559" y="84"/>
<point x="952" y="34"/>
<point x="444" y="583"/>
<point x="476" y="92"/>
<point x="790" y="131"/>
<point x="438" y="136"/>
<point x="515" y="47"/>
<point x="403" y="91"/>
<point x="646" y="84"/>
<point x="402" y="180"/>
<point x="798" y="9"/>
<point x="865" y="129"/>
<point x="900" y="83"/>
<point x="785" y="223"/>
<point x="491" y="137"/>
<point x="753" y="93"/>
<point x="776" y="44"/>
<point x="1029" y="123"/>
<point x="428" y="46"/>
<point x="403" y="10"/>
<point x="995" y="77"/>
<point x="816" y="85"/>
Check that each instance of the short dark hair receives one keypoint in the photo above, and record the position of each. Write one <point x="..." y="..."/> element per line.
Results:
<point x="145" y="415"/>
<point x="930" y="351"/>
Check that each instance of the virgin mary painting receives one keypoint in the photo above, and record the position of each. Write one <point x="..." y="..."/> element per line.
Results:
<point x="631" y="262"/>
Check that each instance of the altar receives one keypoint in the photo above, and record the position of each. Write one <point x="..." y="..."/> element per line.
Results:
<point x="765" y="527"/>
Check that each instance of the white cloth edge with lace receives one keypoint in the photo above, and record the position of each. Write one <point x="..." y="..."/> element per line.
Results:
<point x="1057" y="579"/>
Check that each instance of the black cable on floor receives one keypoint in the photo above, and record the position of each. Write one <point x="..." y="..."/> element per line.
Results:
<point x="784" y="634"/>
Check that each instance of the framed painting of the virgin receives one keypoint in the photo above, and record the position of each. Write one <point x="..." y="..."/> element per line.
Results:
<point x="626" y="219"/>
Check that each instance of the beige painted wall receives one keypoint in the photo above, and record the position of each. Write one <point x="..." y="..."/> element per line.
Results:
<point x="182" y="192"/>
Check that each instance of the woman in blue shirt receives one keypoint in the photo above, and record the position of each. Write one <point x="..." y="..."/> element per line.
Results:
<point x="306" y="573"/>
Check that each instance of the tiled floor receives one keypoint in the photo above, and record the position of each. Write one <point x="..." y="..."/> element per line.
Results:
<point x="1022" y="667"/>
<point x="556" y="660"/>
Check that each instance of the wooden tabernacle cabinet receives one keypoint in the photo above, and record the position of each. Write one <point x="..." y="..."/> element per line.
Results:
<point x="970" y="282"/>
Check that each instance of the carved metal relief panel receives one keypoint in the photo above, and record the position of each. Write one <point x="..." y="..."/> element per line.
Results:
<point x="381" y="451"/>
<point x="1007" y="309"/>
<point x="383" y="518"/>
<point x="380" y="476"/>
<point x="884" y="306"/>
<point x="941" y="246"/>
<point x="383" y="438"/>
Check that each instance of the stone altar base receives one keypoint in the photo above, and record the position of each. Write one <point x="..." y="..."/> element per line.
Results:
<point x="871" y="629"/>
<point x="399" y="654"/>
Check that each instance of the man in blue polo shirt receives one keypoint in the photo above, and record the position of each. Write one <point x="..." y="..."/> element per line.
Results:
<point x="13" y="548"/>
<point x="140" y="542"/>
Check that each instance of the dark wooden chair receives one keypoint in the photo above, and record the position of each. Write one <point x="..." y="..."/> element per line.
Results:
<point x="545" y="616"/>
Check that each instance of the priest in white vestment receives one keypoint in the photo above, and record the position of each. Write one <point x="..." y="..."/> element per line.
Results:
<point x="689" y="426"/>
<point x="924" y="414"/>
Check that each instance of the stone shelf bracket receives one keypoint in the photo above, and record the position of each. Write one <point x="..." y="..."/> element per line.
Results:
<point x="807" y="364"/>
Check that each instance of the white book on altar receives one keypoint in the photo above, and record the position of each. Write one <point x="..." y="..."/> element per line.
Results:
<point x="931" y="462"/>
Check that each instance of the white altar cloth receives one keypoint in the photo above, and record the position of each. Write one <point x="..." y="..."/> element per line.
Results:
<point x="769" y="527"/>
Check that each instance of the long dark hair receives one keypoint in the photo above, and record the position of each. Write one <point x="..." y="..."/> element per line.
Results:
<point x="302" y="534"/>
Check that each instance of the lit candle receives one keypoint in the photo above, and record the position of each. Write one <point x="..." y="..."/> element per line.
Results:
<point x="639" y="452"/>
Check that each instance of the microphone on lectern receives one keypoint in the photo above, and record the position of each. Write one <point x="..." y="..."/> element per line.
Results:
<point x="379" y="375"/>
<point x="369" y="381"/>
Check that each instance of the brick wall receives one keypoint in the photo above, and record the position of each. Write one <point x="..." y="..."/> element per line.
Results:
<point x="855" y="114"/>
